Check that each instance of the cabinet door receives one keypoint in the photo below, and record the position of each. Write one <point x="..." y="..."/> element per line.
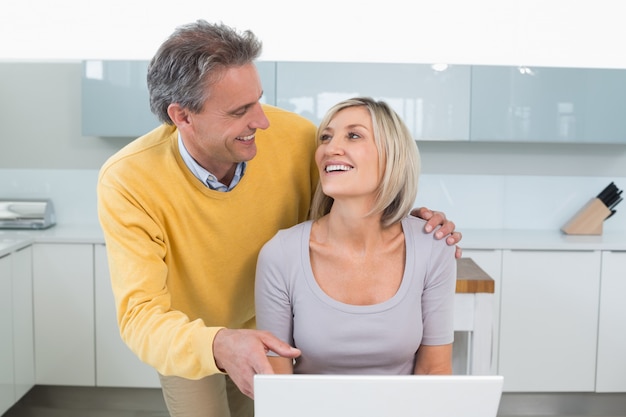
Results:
<point x="490" y="261"/>
<point x="539" y="104"/>
<point x="432" y="101"/>
<point x="116" y="364"/>
<point x="7" y="390"/>
<point x="611" y="376"/>
<point x="64" y="314"/>
<point x="549" y="320"/>
<point x="23" y="321"/>
<point x="115" y="101"/>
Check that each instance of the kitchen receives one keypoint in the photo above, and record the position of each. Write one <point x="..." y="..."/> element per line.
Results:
<point x="481" y="186"/>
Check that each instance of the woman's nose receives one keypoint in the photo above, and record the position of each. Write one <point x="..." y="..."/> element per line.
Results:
<point x="334" y="146"/>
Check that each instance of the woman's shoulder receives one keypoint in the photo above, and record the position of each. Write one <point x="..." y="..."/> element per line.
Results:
<point x="415" y="227"/>
<point x="291" y="235"/>
<point x="414" y="224"/>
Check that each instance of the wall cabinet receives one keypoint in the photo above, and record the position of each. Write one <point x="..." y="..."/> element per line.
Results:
<point x="433" y="101"/>
<point x="573" y="105"/>
<point x="611" y="367"/>
<point x="453" y="102"/>
<point x="116" y="102"/>
<point x="549" y="320"/>
<point x="63" y="289"/>
<point x="116" y="364"/>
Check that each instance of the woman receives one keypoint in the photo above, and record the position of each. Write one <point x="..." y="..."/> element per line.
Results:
<point x="340" y="287"/>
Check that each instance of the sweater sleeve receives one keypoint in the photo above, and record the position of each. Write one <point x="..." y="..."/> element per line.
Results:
<point x="160" y="336"/>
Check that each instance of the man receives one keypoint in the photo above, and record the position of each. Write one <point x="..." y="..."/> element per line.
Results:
<point x="186" y="208"/>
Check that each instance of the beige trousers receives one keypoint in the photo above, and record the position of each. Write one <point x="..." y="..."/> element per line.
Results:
<point x="212" y="396"/>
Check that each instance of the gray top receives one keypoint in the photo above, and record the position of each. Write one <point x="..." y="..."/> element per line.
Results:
<point x="338" y="338"/>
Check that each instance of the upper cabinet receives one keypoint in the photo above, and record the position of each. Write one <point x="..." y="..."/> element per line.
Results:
<point x="116" y="102"/>
<point x="432" y="100"/>
<point x="437" y="102"/>
<point x="115" y="99"/>
<point x="537" y="104"/>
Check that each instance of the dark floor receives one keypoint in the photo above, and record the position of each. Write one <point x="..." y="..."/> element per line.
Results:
<point x="55" y="401"/>
<point x="52" y="401"/>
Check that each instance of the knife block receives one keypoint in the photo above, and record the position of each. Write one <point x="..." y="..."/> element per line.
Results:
<point x="588" y="220"/>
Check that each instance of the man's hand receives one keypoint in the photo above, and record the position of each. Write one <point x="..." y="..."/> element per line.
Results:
<point x="437" y="218"/>
<point x="242" y="354"/>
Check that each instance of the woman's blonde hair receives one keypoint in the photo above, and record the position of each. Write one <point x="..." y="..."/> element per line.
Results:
<point x="398" y="160"/>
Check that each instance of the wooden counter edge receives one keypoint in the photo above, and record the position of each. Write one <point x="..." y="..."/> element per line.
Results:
<point x="470" y="278"/>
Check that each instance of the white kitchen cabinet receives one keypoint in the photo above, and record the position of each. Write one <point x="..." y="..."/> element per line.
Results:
<point x="611" y="367"/>
<point x="433" y="101"/>
<point x="549" y="320"/>
<point x="115" y="101"/>
<point x="23" y="332"/>
<point x="63" y="288"/>
<point x="7" y="389"/>
<point x="490" y="261"/>
<point x="17" y="369"/>
<point x="541" y="104"/>
<point x="116" y="364"/>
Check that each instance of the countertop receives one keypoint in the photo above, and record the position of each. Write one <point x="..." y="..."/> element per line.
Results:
<point x="15" y="239"/>
<point x="541" y="240"/>
<point x="473" y="239"/>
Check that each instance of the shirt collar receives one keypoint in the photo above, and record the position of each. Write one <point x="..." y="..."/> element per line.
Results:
<point x="205" y="176"/>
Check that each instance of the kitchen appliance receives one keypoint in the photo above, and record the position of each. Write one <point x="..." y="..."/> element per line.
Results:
<point x="26" y="214"/>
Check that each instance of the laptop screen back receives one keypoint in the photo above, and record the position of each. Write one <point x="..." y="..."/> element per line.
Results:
<point x="376" y="396"/>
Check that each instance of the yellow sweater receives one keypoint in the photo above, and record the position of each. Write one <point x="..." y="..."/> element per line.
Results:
<point x="182" y="257"/>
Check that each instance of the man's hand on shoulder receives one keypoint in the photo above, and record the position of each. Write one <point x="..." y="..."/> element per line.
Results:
<point x="436" y="220"/>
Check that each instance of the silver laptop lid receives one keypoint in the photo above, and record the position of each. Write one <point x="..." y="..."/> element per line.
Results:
<point x="376" y="396"/>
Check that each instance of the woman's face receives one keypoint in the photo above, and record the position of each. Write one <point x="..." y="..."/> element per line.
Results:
<point x="347" y="157"/>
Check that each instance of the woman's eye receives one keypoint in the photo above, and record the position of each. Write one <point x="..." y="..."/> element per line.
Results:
<point x="324" y="138"/>
<point x="353" y="135"/>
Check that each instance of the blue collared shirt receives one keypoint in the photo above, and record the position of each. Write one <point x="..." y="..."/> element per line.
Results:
<point x="205" y="176"/>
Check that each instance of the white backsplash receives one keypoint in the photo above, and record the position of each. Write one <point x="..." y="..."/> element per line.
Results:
<point x="515" y="202"/>
<point x="472" y="201"/>
<point x="73" y="192"/>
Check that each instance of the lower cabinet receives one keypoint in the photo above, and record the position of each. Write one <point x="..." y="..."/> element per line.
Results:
<point x="611" y="366"/>
<point x="490" y="261"/>
<point x="549" y="320"/>
<point x="23" y="334"/>
<point x="17" y="368"/>
<point x="7" y="389"/>
<point x="63" y="294"/>
<point x="558" y="321"/>
<point x="116" y="364"/>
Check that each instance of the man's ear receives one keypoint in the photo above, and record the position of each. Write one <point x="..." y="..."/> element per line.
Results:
<point x="178" y="114"/>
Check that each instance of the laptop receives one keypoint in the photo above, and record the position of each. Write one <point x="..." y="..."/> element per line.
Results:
<point x="377" y="395"/>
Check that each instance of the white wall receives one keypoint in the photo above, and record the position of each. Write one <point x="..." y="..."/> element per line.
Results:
<point x="583" y="33"/>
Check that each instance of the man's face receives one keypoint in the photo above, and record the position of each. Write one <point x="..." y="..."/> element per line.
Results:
<point x="222" y="134"/>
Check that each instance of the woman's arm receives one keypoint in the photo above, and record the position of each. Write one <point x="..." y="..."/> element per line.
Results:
<point x="281" y="365"/>
<point x="434" y="360"/>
